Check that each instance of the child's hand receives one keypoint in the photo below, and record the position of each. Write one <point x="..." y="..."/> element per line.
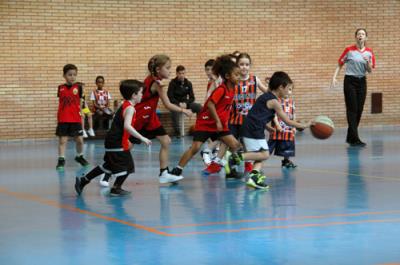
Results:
<point x="187" y="112"/>
<point x="219" y="126"/>
<point x="270" y="129"/>
<point x="146" y="141"/>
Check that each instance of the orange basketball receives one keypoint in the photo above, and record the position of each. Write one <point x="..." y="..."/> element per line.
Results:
<point x="322" y="128"/>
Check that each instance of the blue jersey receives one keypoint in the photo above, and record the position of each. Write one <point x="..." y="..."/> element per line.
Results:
<point x="259" y="115"/>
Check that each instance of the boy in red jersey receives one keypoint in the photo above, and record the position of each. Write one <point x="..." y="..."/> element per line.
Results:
<point x="69" y="116"/>
<point x="212" y="121"/>
<point x="117" y="158"/>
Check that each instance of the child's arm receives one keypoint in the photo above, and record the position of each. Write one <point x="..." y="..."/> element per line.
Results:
<point x="214" y="115"/>
<point x="164" y="98"/>
<point x="128" y="115"/>
<point x="274" y="104"/>
<point x="260" y="84"/>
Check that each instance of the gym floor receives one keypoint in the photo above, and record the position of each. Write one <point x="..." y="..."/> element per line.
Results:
<point x="339" y="206"/>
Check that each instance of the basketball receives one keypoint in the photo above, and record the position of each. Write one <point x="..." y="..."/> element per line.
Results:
<point x="322" y="128"/>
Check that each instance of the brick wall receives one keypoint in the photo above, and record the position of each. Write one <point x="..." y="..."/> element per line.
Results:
<point x="116" y="39"/>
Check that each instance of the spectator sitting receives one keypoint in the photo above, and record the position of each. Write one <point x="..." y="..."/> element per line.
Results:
<point x="100" y="98"/>
<point x="180" y="93"/>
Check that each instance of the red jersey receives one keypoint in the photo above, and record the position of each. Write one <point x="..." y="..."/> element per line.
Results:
<point x="244" y="99"/>
<point x="146" y="110"/>
<point x="222" y="97"/>
<point x="69" y="103"/>
<point x="288" y="132"/>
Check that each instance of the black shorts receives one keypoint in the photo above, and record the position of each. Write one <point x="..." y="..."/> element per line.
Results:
<point x="202" y="136"/>
<point x="236" y="130"/>
<point x="71" y="129"/>
<point x="282" y="148"/>
<point x="160" y="131"/>
<point x="120" y="163"/>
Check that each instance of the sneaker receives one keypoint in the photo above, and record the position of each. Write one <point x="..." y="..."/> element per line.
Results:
<point x="166" y="177"/>
<point x="60" y="164"/>
<point x="105" y="180"/>
<point x="80" y="183"/>
<point x="81" y="160"/>
<point x="288" y="164"/>
<point x="119" y="192"/>
<point x="358" y="143"/>
<point x="233" y="175"/>
<point x="212" y="168"/>
<point x="84" y="134"/>
<point x="233" y="161"/>
<point x="206" y="157"/>
<point x="256" y="180"/>
<point x="91" y="132"/>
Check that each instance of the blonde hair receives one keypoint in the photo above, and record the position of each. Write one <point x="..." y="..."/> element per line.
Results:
<point x="157" y="60"/>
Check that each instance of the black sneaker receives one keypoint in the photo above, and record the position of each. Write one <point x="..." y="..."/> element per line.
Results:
<point x="119" y="192"/>
<point x="288" y="164"/>
<point x="233" y="175"/>
<point x="60" y="164"/>
<point x="256" y="180"/>
<point x="80" y="183"/>
<point x="81" y="160"/>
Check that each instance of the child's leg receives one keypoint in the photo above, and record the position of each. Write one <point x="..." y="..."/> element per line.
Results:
<point x="62" y="142"/>
<point x="79" y="145"/>
<point x="187" y="156"/>
<point x="165" y="141"/>
<point x="81" y="182"/>
<point x="90" y="120"/>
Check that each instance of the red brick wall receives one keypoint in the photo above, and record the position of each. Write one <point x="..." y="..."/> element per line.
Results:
<point x="116" y="39"/>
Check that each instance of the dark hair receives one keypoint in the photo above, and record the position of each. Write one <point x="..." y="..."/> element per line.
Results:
<point x="180" y="68"/>
<point x="130" y="87"/>
<point x="279" y="79"/>
<point x="236" y="53"/>
<point x="100" y="77"/>
<point x="157" y="60"/>
<point x="223" y="65"/>
<point x="363" y="29"/>
<point x="209" y="63"/>
<point x="243" y="55"/>
<point x="68" y="67"/>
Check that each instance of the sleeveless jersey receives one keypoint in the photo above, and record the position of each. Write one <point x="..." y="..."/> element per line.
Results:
<point x="258" y="116"/>
<point x="146" y="110"/>
<point x="288" y="132"/>
<point x="117" y="136"/>
<point x="244" y="99"/>
<point x="222" y="98"/>
<point x="69" y="103"/>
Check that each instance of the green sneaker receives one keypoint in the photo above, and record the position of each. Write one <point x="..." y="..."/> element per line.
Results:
<point x="60" y="164"/>
<point x="233" y="161"/>
<point x="257" y="181"/>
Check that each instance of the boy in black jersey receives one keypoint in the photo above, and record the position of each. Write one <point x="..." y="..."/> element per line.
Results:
<point x="117" y="158"/>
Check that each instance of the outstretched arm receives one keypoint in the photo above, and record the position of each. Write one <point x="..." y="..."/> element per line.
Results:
<point x="128" y="115"/>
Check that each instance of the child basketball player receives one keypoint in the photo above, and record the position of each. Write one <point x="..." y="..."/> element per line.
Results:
<point x="69" y="116"/>
<point x="262" y="112"/>
<point x="117" y="158"/>
<point x="148" y="123"/>
<point x="282" y="139"/>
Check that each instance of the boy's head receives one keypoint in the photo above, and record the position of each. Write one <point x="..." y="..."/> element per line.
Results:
<point x="100" y="82"/>
<point x="180" y="72"/>
<point x="70" y="72"/>
<point x="208" y="68"/>
<point x="281" y="83"/>
<point x="131" y="89"/>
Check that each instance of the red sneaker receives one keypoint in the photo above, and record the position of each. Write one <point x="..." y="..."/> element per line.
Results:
<point x="213" y="168"/>
<point x="248" y="167"/>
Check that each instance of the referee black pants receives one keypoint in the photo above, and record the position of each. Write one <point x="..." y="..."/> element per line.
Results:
<point x="355" y="92"/>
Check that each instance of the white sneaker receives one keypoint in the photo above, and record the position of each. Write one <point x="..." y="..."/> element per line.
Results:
<point x="91" y="132"/>
<point x="206" y="157"/>
<point x="165" y="177"/>
<point x="103" y="182"/>
<point x="85" y="134"/>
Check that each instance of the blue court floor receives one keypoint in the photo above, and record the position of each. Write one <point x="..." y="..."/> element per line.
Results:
<point x="340" y="206"/>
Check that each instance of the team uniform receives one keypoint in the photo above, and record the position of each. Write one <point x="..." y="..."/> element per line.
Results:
<point x="206" y="126"/>
<point x="118" y="160"/>
<point x="355" y="87"/>
<point x="69" y="110"/>
<point x="148" y="123"/>
<point x="253" y="129"/>
<point x="283" y="143"/>
<point x="101" y="97"/>
<point x="244" y="99"/>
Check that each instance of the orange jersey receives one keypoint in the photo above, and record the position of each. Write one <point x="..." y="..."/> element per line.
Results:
<point x="244" y="99"/>
<point x="288" y="132"/>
